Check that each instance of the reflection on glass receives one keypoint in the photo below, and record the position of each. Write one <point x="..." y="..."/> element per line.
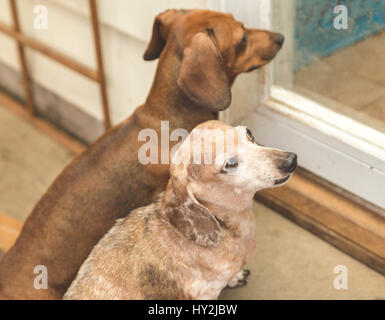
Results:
<point x="343" y="69"/>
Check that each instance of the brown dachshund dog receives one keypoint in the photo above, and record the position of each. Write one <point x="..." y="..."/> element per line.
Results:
<point x="200" y="54"/>
<point x="198" y="235"/>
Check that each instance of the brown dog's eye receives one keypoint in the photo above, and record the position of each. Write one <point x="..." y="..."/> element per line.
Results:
<point x="230" y="164"/>
<point x="250" y="135"/>
<point x="242" y="44"/>
<point x="244" y="39"/>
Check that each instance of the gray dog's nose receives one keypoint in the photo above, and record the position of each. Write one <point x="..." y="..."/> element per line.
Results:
<point x="278" y="39"/>
<point x="290" y="163"/>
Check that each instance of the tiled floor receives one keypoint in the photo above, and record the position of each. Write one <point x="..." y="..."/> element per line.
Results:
<point x="351" y="81"/>
<point x="290" y="263"/>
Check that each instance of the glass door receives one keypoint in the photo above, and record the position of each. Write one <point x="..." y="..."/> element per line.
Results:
<point x="335" y="55"/>
<point x="329" y="81"/>
<point x="324" y="95"/>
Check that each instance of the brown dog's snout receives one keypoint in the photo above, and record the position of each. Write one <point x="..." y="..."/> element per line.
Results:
<point x="278" y="38"/>
<point x="289" y="164"/>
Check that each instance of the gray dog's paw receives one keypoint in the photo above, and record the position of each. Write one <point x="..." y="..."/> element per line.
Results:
<point x="239" y="280"/>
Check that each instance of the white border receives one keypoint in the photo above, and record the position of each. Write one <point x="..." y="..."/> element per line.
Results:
<point x="331" y="123"/>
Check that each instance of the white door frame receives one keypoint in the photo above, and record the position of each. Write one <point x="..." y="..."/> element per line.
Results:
<point x="333" y="146"/>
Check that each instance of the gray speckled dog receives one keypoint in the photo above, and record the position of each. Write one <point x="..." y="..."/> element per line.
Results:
<point x="197" y="236"/>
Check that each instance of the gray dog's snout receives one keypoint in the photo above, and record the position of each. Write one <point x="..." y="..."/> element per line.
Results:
<point x="289" y="164"/>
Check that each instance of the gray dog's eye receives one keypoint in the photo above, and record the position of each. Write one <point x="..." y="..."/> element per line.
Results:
<point x="250" y="135"/>
<point x="231" y="163"/>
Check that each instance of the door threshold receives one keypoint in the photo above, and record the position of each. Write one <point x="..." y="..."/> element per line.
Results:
<point x="336" y="216"/>
<point x="9" y="231"/>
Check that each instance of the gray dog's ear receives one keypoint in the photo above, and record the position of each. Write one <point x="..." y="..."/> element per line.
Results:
<point x="159" y="33"/>
<point x="191" y="219"/>
<point x="202" y="76"/>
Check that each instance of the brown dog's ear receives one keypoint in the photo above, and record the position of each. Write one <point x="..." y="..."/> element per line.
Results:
<point x="202" y="76"/>
<point x="191" y="219"/>
<point x="159" y="33"/>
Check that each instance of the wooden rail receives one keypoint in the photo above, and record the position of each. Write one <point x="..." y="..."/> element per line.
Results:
<point x="23" y="40"/>
<point x="22" y="61"/>
<point x="9" y="231"/>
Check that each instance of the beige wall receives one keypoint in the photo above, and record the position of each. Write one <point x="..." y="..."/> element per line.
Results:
<point x="125" y="27"/>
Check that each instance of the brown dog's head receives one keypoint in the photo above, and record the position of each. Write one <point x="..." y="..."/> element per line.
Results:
<point x="213" y="48"/>
<point x="215" y="173"/>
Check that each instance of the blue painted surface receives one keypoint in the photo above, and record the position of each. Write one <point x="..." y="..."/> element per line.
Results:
<point x="315" y="35"/>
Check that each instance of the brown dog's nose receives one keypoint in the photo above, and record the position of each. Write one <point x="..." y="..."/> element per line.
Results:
<point x="278" y="38"/>
<point x="289" y="164"/>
